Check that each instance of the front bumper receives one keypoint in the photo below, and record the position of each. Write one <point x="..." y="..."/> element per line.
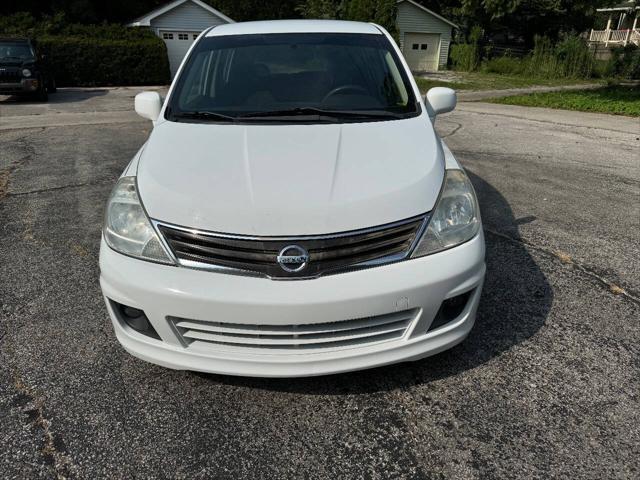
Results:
<point x="27" y="85"/>
<point x="419" y="285"/>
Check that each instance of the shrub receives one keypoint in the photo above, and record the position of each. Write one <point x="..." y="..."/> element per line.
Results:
<point x="625" y="62"/>
<point x="463" y="57"/>
<point x="466" y="56"/>
<point x="574" y="58"/>
<point x="570" y="58"/>
<point x="78" y="61"/>
<point x="505" y="65"/>
<point x="602" y="69"/>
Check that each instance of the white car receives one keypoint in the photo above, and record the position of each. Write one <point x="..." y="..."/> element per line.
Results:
<point x="293" y="211"/>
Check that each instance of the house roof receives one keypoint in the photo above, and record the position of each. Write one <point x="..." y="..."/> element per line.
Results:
<point x="628" y="5"/>
<point x="145" y="20"/>
<point x="431" y="12"/>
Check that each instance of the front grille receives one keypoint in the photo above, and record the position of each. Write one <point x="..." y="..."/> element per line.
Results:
<point x="318" y="336"/>
<point x="326" y="254"/>
<point x="10" y="76"/>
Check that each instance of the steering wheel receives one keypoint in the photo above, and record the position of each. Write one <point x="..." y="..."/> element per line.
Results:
<point x="342" y="89"/>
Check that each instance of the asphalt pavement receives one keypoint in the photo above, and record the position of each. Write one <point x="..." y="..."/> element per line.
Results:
<point x="546" y="386"/>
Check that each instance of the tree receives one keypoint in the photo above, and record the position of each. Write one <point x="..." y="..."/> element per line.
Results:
<point x="245" y="10"/>
<point x="382" y="12"/>
<point x="122" y="11"/>
<point x="322" y="9"/>
<point x="520" y="18"/>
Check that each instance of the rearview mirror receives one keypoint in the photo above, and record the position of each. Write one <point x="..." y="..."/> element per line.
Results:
<point x="440" y="100"/>
<point x="148" y="105"/>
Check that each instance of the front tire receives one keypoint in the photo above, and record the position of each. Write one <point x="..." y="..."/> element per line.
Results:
<point x="42" y="95"/>
<point x="52" y="88"/>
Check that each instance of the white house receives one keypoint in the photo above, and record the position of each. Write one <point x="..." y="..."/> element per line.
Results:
<point x="623" y="26"/>
<point x="179" y="23"/>
<point x="425" y="36"/>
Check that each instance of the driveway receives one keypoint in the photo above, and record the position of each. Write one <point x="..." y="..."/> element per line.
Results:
<point x="547" y="385"/>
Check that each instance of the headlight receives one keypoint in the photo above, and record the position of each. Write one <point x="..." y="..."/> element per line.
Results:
<point x="127" y="229"/>
<point x="26" y="72"/>
<point x="455" y="218"/>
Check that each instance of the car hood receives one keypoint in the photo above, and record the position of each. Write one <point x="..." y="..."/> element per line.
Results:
<point x="277" y="179"/>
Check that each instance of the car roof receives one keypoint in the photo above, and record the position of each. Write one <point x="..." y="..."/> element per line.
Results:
<point x="294" y="26"/>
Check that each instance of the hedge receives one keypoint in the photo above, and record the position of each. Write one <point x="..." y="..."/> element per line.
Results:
<point x="79" y="61"/>
<point x="94" y="55"/>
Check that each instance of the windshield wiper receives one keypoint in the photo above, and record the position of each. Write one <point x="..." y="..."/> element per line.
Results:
<point x="306" y="111"/>
<point x="197" y="115"/>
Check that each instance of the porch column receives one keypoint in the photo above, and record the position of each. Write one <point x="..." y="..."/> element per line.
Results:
<point x="620" y="23"/>
<point x="607" y="32"/>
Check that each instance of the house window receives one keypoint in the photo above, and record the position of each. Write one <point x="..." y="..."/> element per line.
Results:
<point x="167" y="36"/>
<point x="195" y="35"/>
<point x="423" y="46"/>
<point x="183" y="36"/>
<point x="415" y="46"/>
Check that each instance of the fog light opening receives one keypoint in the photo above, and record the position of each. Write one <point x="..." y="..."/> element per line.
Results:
<point x="450" y="310"/>
<point x="134" y="318"/>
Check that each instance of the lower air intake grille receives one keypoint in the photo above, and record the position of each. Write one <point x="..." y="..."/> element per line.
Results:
<point x="324" y="254"/>
<point x="318" y="336"/>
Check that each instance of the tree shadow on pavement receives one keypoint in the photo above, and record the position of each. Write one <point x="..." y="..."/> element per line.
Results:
<point x="515" y="302"/>
<point x="66" y="95"/>
<point x="74" y="95"/>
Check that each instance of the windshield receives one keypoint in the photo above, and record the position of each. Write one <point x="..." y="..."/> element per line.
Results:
<point x="292" y="77"/>
<point x="19" y="51"/>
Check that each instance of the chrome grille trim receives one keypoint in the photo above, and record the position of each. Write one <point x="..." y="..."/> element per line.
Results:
<point x="306" y="337"/>
<point x="256" y="256"/>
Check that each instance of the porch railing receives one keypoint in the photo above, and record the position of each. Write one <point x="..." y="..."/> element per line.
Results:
<point x="615" y="36"/>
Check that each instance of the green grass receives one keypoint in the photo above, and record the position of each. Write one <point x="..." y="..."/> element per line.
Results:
<point x="425" y="84"/>
<point x="493" y="81"/>
<point x="616" y="100"/>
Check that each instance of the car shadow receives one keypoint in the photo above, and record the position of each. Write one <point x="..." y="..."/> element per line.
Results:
<point x="515" y="302"/>
<point x="62" y="95"/>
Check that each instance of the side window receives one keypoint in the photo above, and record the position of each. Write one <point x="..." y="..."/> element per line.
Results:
<point x="415" y="46"/>
<point x="392" y="68"/>
<point x="423" y="46"/>
<point x="195" y="85"/>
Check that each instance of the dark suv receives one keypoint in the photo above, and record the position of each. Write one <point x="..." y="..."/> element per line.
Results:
<point x="23" y="70"/>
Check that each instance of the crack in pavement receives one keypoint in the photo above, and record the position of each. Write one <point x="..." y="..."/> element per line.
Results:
<point x="568" y="260"/>
<point x="455" y="130"/>
<point x="53" y="450"/>
<point x="5" y="173"/>
<point x="61" y="187"/>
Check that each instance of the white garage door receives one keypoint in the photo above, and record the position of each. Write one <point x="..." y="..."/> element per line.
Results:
<point x="422" y="50"/>
<point x="178" y="44"/>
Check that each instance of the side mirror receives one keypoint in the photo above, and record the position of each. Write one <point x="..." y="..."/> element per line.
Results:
<point x="148" y="105"/>
<point x="440" y="100"/>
